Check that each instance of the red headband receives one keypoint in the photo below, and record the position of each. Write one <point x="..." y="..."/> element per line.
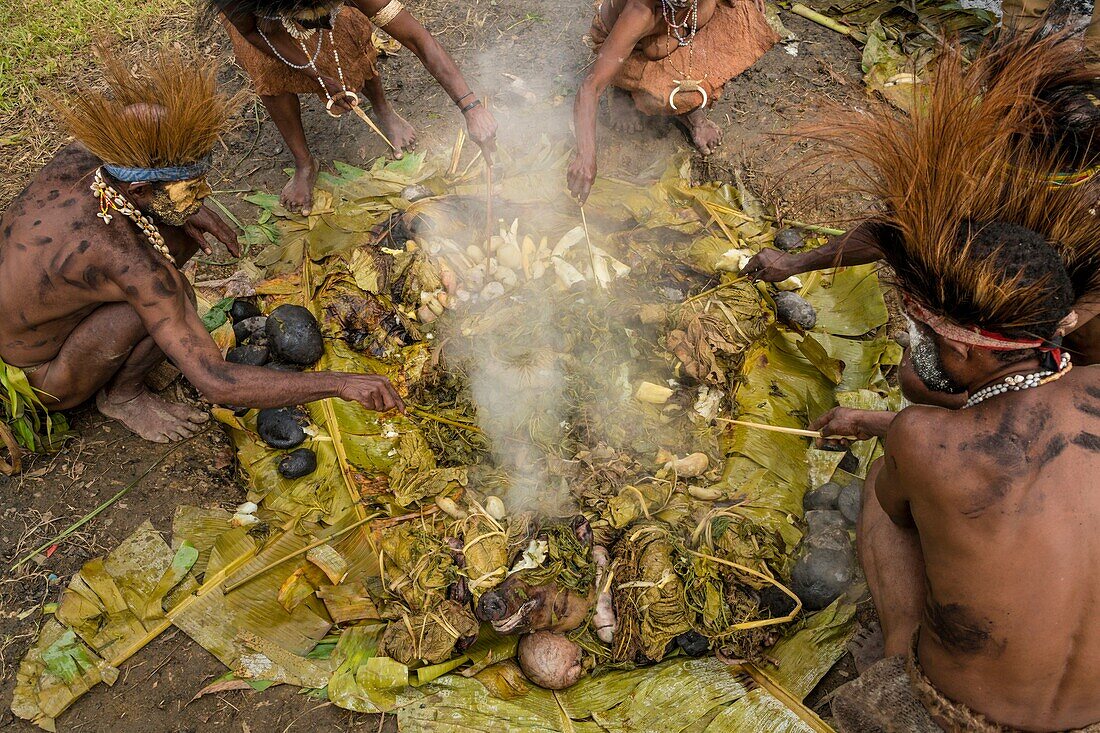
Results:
<point x="970" y="335"/>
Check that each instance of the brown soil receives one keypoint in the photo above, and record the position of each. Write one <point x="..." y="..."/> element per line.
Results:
<point x="525" y="38"/>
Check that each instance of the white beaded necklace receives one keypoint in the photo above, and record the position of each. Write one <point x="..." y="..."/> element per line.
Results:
<point x="1019" y="382"/>
<point x="301" y="35"/>
<point x="109" y="199"/>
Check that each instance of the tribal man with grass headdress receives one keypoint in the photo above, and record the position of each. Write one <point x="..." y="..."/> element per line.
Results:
<point x="91" y="297"/>
<point x="323" y="47"/>
<point x="977" y="528"/>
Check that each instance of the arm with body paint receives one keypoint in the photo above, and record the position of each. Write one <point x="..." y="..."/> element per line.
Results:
<point x="159" y="294"/>
<point x="857" y="247"/>
<point x="633" y="23"/>
<point x="415" y="37"/>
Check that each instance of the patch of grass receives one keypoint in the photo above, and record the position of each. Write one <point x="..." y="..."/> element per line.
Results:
<point x="41" y="38"/>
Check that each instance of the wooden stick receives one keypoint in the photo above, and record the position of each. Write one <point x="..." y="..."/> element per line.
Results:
<point x="230" y="587"/>
<point x="591" y="254"/>
<point x="815" y="228"/>
<point x="773" y="428"/>
<point x="16" y="452"/>
<point x="363" y="116"/>
<point x="823" y="20"/>
<point x="488" y="205"/>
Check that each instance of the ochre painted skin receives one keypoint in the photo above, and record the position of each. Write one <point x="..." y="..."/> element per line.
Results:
<point x="980" y="526"/>
<point x="93" y="307"/>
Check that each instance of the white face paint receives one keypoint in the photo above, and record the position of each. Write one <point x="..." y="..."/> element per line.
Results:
<point x="925" y="359"/>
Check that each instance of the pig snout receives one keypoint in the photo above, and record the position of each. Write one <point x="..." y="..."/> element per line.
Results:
<point x="491" y="607"/>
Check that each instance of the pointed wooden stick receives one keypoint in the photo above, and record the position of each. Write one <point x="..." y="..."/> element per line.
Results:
<point x="773" y="428"/>
<point x="488" y="205"/>
<point x="363" y="116"/>
<point x="591" y="254"/>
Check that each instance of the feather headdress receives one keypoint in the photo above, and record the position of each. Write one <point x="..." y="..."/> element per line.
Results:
<point x="159" y="123"/>
<point x="974" y="151"/>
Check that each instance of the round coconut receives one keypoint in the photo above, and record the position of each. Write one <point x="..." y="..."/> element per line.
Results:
<point x="298" y="463"/>
<point x="550" y="660"/>
<point x="281" y="427"/>
<point x="294" y="336"/>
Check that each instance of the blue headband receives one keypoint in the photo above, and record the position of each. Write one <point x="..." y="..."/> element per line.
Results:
<point x="157" y="175"/>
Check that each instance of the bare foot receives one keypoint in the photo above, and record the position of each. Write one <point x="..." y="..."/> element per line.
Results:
<point x="400" y="132"/>
<point x="706" y="135"/>
<point x="867" y="647"/>
<point x="151" y="417"/>
<point x="297" y="195"/>
<point x="625" y="116"/>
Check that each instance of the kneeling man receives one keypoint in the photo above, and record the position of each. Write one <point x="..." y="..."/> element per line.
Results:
<point x="91" y="297"/>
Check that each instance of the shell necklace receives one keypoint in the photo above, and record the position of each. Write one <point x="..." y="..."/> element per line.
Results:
<point x="1019" y="382"/>
<point x="301" y="35"/>
<point x="109" y="199"/>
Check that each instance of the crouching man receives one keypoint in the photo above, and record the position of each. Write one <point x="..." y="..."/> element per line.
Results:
<point x="91" y="297"/>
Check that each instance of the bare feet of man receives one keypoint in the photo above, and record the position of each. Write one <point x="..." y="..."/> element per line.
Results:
<point x="297" y="196"/>
<point x="625" y="116"/>
<point x="151" y="417"/>
<point x="400" y="132"/>
<point x="706" y="135"/>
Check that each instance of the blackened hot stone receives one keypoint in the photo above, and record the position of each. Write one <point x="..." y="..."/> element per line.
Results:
<point x="281" y="427"/>
<point x="849" y="501"/>
<point x="242" y="309"/>
<point x="821" y="575"/>
<point x="281" y="367"/>
<point x="298" y="463"/>
<point x="823" y="497"/>
<point x="787" y="239"/>
<point x="693" y="643"/>
<point x="819" y="521"/>
<point x="793" y="310"/>
<point x="249" y="355"/>
<point x="250" y="330"/>
<point x="294" y="336"/>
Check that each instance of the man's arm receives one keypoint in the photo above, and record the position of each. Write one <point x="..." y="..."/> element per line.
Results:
<point x="630" y="27"/>
<point x="857" y="247"/>
<point x="159" y="294"/>
<point x="904" y="453"/>
<point x="412" y="35"/>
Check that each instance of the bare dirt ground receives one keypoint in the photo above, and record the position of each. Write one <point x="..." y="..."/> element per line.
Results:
<point x="535" y="40"/>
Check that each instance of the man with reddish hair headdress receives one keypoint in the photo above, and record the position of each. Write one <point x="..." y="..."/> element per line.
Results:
<point x="91" y="295"/>
<point x="977" y="526"/>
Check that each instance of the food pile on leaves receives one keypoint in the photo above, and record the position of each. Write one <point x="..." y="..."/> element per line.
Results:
<point x="562" y="507"/>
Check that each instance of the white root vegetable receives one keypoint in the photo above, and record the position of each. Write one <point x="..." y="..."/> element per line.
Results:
<point x="603" y="620"/>
<point x="506" y="277"/>
<point x="492" y="290"/>
<point x="690" y="466"/>
<point x="705" y="494"/>
<point x="568" y="275"/>
<point x="450" y="508"/>
<point x="509" y="255"/>
<point x="568" y="241"/>
<point x="475" y="253"/>
<point x="794" y="282"/>
<point x="425" y="314"/>
<point x="550" y="660"/>
<point x="495" y="507"/>
<point x="243" y="520"/>
<point x="249" y="507"/>
<point x="652" y="393"/>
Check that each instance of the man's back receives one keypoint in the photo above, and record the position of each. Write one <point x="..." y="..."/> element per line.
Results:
<point x="54" y="259"/>
<point x="1005" y="502"/>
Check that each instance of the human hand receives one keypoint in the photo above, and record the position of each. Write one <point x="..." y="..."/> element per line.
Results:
<point x="372" y="391"/>
<point x="204" y="222"/>
<point x="771" y="266"/>
<point x="581" y="175"/>
<point x="482" y="128"/>
<point x="342" y="99"/>
<point x="848" y="424"/>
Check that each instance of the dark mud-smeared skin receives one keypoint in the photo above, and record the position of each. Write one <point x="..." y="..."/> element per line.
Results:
<point x="555" y="608"/>
<point x="1003" y="500"/>
<point x="83" y="299"/>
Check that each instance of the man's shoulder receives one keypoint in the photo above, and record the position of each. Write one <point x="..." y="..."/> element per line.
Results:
<point x="921" y="429"/>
